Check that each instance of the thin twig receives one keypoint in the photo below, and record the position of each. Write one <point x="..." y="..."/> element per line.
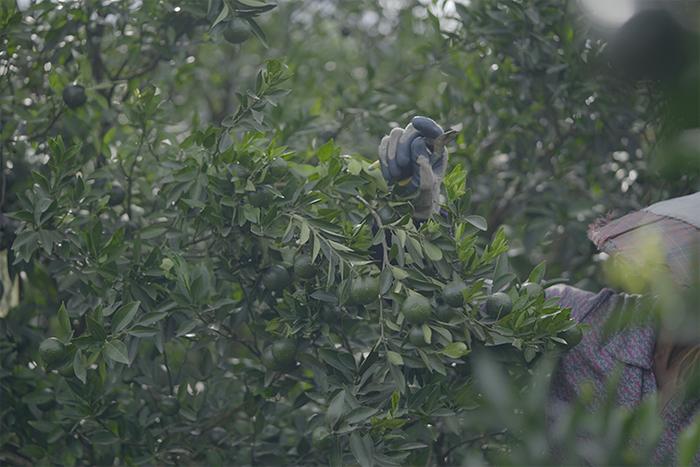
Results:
<point x="474" y="439"/>
<point x="45" y="131"/>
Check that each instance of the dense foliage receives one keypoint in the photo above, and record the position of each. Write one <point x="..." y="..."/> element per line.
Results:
<point x="208" y="277"/>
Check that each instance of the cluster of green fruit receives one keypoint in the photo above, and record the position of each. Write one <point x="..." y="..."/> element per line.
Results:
<point x="281" y="355"/>
<point x="417" y="309"/>
<point x="277" y="277"/>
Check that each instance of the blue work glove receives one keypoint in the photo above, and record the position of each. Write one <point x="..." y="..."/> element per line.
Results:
<point x="415" y="159"/>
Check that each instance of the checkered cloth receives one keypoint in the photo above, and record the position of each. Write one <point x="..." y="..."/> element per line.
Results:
<point x="672" y="225"/>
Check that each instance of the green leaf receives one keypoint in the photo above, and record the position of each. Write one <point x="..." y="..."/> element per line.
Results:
<point x="398" y="377"/>
<point x="44" y="427"/>
<point x="360" y="414"/>
<point x="399" y="274"/>
<point x="395" y="399"/>
<point x="537" y="273"/>
<point x="259" y="33"/>
<point x="95" y="329"/>
<point x="251" y="213"/>
<point x="689" y="443"/>
<point x="64" y="327"/>
<point x="455" y="182"/>
<point x="478" y="222"/>
<point x="432" y="251"/>
<point x="336" y="408"/>
<point x="304" y="233"/>
<point x="530" y="353"/>
<point x="143" y="331"/>
<point x="152" y="317"/>
<point x="363" y="449"/>
<point x="222" y="15"/>
<point x="386" y="280"/>
<point x="103" y="437"/>
<point x="80" y="366"/>
<point x="427" y="333"/>
<point x="327" y="151"/>
<point x="116" y="351"/>
<point x="412" y="446"/>
<point x="316" y="248"/>
<point x="253" y="3"/>
<point x="455" y="350"/>
<point x="394" y="358"/>
<point x="124" y="315"/>
<point x="153" y="231"/>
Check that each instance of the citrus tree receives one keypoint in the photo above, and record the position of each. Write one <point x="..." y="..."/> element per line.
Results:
<point x="210" y="295"/>
<point x="201" y="282"/>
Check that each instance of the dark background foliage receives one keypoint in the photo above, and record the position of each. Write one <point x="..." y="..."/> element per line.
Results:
<point x="141" y="230"/>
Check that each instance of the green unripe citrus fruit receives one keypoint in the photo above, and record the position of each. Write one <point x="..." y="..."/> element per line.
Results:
<point x="74" y="96"/>
<point x="446" y="313"/>
<point x="416" y="336"/>
<point x="237" y="32"/>
<point x="260" y="197"/>
<point x="53" y="352"/>
<point x="169" y="405"/>
<point x="452" y="293"/>
<point x="416" y="309"/>
<point x="321" y="438"/>
<point x="303" y="267"/>
<point x="364" y="290"/>
<point x="572" y="336"/>
<point x="276" y="278"/>
<point x="116" y="195"/>
<point x="498" y="305"/>
<point x="532" y="289"/>
<point x="281" y="355"/>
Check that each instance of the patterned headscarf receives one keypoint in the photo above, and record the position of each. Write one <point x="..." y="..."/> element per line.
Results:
<point x="673" y="224"/>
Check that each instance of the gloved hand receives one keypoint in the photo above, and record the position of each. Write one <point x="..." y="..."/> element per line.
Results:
<point x="415" y="159"/>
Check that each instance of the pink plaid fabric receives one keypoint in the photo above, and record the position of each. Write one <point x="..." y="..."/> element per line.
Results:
<point x="595" y="358"/>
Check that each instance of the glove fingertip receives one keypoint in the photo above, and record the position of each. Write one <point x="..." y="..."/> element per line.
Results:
<point x="426" y="126"/>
